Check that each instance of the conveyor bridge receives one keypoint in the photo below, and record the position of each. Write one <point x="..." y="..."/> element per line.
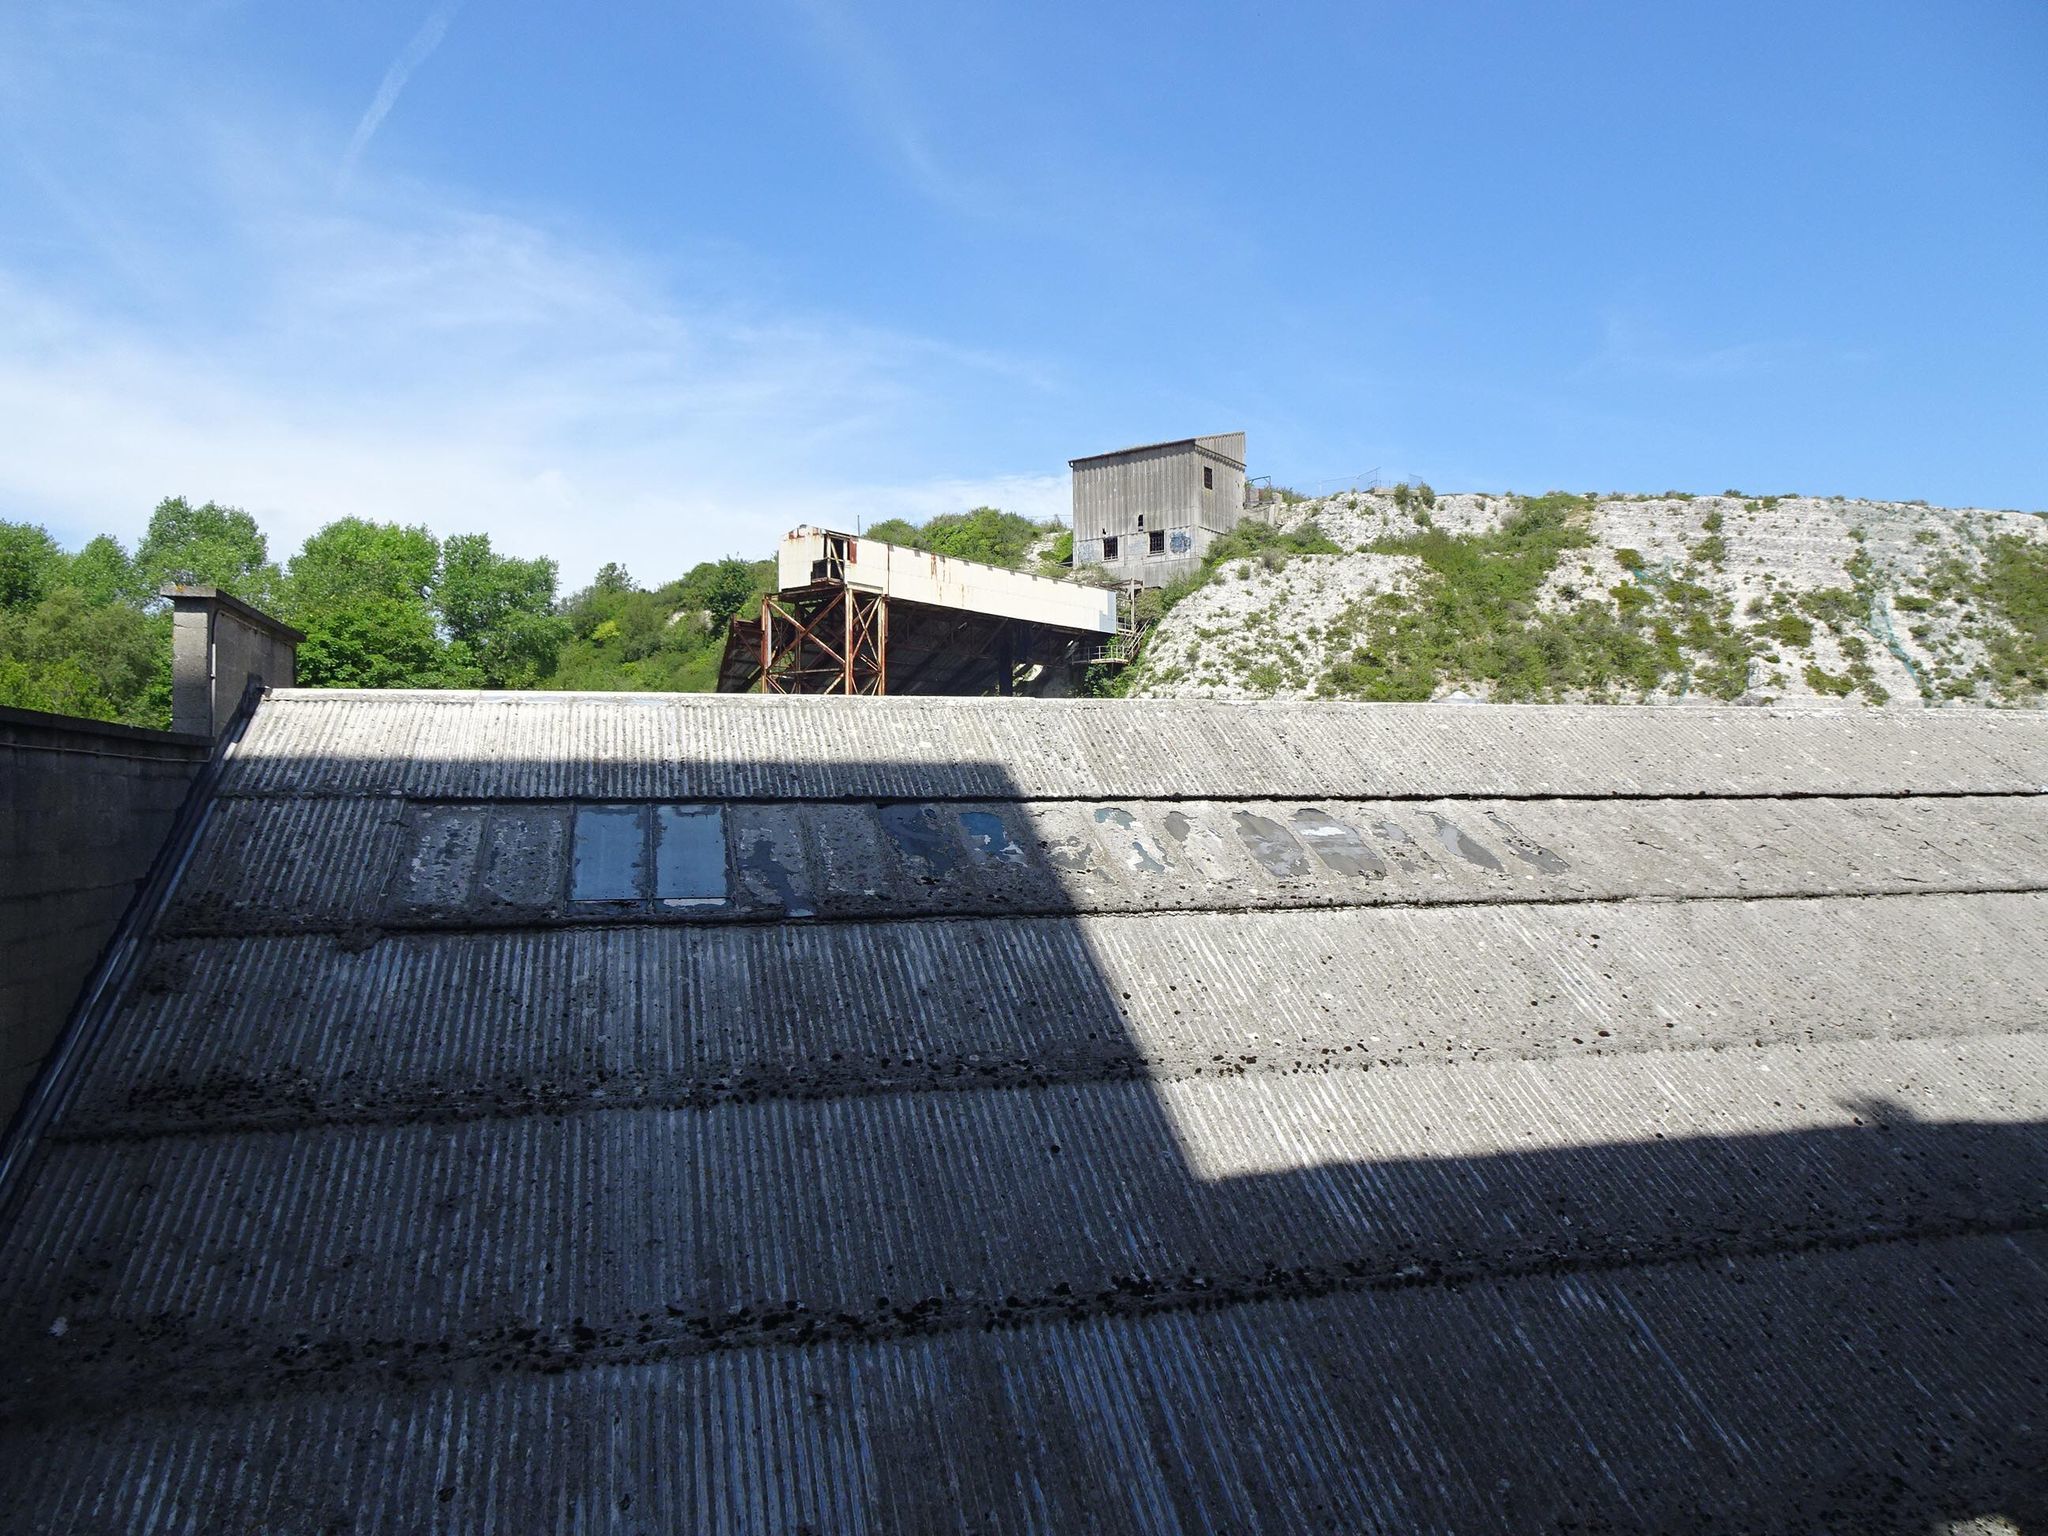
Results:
<point x="856" y="616"/>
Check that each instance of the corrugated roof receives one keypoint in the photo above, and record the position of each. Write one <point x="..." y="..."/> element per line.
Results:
<point x="1059" y="1115"/>
<point x="537" y="746"/>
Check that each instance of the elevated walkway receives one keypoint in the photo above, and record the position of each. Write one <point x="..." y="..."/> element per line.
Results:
<point x="856" y="616"/>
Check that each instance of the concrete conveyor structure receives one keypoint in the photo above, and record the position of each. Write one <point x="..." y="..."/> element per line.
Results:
<point x="856" y="616"/>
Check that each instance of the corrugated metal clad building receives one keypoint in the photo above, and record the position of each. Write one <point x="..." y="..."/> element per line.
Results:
<point x="1150" y="513"/>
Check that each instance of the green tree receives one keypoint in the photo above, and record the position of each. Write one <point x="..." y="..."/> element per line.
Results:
<point x="722" y="588"/>
<point x="987" y="534"/>
<point x="105" y="661"/>
<point x="895" y="530"/>
<point x="499" y="613"/>
<point x="103" y="572"/>
<point x="208" y="545"/>
<point x="669" y="640"/>
<point x="63" y="687"/>
<point x="353" y="559"/>
<point x="360" y="590"/>
<point x="30" y="563"/>
<point x="374" y="642"/>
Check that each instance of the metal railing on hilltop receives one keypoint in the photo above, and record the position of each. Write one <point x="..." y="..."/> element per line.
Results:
<point x="1261" y="494"/>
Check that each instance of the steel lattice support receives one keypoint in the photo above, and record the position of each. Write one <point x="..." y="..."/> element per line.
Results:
<point x="867" y="643"/>
<point x="829" y="638"/>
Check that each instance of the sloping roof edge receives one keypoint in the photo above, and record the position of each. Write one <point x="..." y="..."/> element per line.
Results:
<point x="1202" y="443"/>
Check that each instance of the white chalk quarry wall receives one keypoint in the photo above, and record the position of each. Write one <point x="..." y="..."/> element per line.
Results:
<point x="1261" y="632"/>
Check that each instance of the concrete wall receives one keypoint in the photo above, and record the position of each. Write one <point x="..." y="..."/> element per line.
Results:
<point x="219" y="645"/>
<point x="87" y="806"/>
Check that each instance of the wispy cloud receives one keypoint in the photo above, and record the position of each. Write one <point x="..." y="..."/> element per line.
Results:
<point x="415" y="53"/>
<point x="1634" y="344"/>
<point x="413" y="360"/>
<point x="883" y="98"/>
<point x="407" y="353"/>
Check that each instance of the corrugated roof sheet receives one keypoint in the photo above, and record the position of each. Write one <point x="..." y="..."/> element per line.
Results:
<point x="1058" y="1116"/>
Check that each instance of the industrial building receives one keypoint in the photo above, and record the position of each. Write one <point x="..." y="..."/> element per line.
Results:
<point x="1149" y="514"/>
<point x="620" y="1112"/>
<point x="857" y="616"/>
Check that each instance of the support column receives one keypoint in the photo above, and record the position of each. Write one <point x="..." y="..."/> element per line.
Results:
<point x="882" y="644"/>
<point x="849" y="649"/>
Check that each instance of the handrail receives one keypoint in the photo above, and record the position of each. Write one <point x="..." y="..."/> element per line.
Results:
<point x="1121" y="648"/>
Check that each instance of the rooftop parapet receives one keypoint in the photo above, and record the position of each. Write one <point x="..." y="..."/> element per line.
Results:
<point x="219" y="645"/>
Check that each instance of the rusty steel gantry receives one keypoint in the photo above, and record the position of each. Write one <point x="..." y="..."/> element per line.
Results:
<point x="825" y="638"/>
<point x="861" y="617"/>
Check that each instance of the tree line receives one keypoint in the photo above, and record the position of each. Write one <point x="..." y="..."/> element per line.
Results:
<point x="385" y="605"/>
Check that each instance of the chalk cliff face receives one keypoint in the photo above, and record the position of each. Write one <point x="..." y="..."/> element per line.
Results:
<point x="1654" y="598"/>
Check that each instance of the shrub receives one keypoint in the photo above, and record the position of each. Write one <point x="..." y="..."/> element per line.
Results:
<point x="1262" y="541"/>
<point x="1263" y="676"/>
<point x="2015" y="584"/>
<point x="1822" y="681"/>
<point x="1791" y="628"/>
<point x="986" y="534"/>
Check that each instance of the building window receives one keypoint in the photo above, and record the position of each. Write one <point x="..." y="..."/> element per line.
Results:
<point x="1158" y="541"/>
<point x="1109" y="547"/>
<point x="1141" y="519"/>
<point x="1208" y="478"/>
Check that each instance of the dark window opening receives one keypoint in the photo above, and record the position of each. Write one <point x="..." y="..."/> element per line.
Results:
<point x="625" y="856"/>
<point x="1158" y="541"/>
<point x="1109" y="547"/>
<point x="1141" y="519"/>
<point x="839" y="549"/>
<point x="1208" y="478"/>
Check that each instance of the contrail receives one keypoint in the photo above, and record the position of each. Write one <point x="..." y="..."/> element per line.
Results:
<point x="424" y="42"/>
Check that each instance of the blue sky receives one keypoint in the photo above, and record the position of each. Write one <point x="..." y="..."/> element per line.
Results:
<point x="653" y="282"/>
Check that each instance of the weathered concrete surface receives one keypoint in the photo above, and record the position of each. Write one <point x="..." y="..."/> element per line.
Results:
<point x="1463" y="1407"/>
<point x="532" y="746"/>
<point x="1651" y="1137"/>
<point x="87" y="807"/>
<point x="673" y="1015"/>
<point x="219" y="646"/>
<point x="274" y="865"/>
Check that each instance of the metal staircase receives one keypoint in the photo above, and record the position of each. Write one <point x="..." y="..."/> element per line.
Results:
<point x="1122" y="648"/>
